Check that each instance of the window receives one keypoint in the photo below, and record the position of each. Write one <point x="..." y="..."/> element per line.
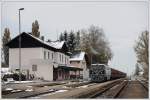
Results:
<point x="48" y="55"/>
<point x="34" y="67"/>
<point x="67" y="60"/>
<point x="52" y="55"/>
<point x="17" y="69"/>
<point x="78" y="62"/>
<point x="70" y="62"/>
<point x="44" y="54"/>
<point x="60" y="57"/>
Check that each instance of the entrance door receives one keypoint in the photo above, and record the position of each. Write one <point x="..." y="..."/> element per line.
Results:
<point x="55" y="74"/>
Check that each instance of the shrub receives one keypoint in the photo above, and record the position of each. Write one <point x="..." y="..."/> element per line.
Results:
<point x="15" y="76"/>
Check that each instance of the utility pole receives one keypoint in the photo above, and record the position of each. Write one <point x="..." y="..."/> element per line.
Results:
<point x="20" y="44"/>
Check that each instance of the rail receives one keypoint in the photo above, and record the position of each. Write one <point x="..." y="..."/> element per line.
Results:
<point x="143" y="83"/>
<point x="88" y="92"/>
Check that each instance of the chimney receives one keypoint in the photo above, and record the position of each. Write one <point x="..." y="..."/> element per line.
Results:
<point x="42" y="38"/>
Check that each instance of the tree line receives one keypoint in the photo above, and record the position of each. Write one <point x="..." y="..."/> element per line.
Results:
<point x="91" y="40"/>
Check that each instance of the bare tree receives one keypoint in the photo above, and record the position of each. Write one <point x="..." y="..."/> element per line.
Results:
<point x="141" y="50"/>
<point x="137" y="70"/>
<point x="95" y="44"/>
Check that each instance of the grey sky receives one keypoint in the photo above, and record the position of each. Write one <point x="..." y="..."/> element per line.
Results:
<point x="122" y="22"/>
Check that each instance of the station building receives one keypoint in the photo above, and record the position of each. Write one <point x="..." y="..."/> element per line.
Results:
<point x="45" y="60"/>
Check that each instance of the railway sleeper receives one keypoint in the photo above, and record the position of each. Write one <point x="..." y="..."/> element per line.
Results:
<point x="119" y="89"/>
<point x="99" y="91"/>
<point x="84" y="92"/>
<point x="76" y="84"/>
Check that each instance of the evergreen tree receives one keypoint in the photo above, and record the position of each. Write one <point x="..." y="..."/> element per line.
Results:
<point x="6" y="38"/>
<point x="65" y="36"/>
<point x="61" y="37"/>
<point x="71" y="42"/>
<point x="42" y="38"/>
<point x="35" y="29"/>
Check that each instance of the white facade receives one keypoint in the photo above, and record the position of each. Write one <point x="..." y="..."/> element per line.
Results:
<point x="61" y="58"/>
<point x="43" y="59"/>
<point x="27" y="54"/>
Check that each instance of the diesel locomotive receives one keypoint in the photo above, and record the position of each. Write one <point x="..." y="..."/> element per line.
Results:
<point x="102" y="72"/>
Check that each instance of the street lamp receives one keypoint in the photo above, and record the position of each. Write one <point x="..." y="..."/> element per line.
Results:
<point x="20" y="45"/>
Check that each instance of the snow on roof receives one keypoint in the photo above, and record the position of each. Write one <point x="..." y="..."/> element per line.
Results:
<point x="54" y="44"/>
<point x="38" y="39"/>
<point x="77" y="56"/>
<point x="57" y="44"/>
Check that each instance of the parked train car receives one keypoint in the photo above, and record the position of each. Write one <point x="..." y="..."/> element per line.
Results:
<point x="101" y="73"/>
<point x="115" y="74"/>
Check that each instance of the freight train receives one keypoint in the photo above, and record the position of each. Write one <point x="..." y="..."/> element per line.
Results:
<point x="101" y="73"/>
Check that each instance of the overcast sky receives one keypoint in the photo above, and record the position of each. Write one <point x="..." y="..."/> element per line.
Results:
<point x="122" y="23"/>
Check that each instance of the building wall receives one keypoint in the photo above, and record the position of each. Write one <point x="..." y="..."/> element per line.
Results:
<point x="76" y="63"/>
<point x="81" y="64"/>
<point x="42" y="58"/>
<point x="61" y="58"/>
<point x="26" y="55"/>
<point x="44" y="69"/>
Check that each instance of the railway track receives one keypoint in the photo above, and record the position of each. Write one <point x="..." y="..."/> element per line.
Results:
<point x="126" y="89"/>
<point x="133" y="90"/>
<point x="112" y="92"/>
<point x="120" y="88"/>
<point x="32" y="90"/>
<point x="86" y="92"/>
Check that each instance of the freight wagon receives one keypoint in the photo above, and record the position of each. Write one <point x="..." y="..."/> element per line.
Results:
<point x="101" y="73"/>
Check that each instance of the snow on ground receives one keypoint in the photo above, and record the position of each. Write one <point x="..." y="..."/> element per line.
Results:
<point x="16" y="82"/>
<point x="8" y="89"/>
<point x="58" y="91"/>
<point x="16" y="91"/>
<point x="22" y="81"/>
<point x="29" y="90"/>
<point x="4" y="69"/>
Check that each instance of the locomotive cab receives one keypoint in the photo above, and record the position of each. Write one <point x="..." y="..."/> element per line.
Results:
<point x="102" y="72"/>
<point x="97" y="73"/>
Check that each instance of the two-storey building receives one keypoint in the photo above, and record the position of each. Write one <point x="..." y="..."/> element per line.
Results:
<point x="46" y="60"/>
